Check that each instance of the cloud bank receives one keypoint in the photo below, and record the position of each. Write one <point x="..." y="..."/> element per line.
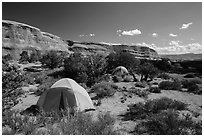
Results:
<point x="173" y="35"/>
<point x="129" y="32"/>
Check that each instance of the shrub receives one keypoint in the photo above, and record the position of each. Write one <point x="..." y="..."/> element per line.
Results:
<point x="169" y="123"/>
<point x="187" y="83"/>
<point x="104" y="89"/>
<point x="51" y="59"/>
<point x="142" y="84"/>
<point x="164" y="76"/>
<point x="121" y="59"/>
<point x="194" y="89"/>
<point x="24" y="57"/>
<point x="117" y="79"/>
<point x="143" y="110"/>
<point x="190" y="75"/>
<point x="147" y="70"/>
<point x="154" y="90"/>
<point x="77" y="124"/>
<point x="170" y="85"/>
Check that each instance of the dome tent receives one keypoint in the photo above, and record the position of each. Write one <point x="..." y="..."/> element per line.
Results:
<point x="64" y="94"/>
<point x="120" y="71"/>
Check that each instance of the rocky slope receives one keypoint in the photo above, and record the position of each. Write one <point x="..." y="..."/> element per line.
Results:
<point x="17" y="37"/>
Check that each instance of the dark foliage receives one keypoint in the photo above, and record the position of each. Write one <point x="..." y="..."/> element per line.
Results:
<point x="24" y="57"/>
<point x="169" y="123"/>
<point x="154" y="90"/>
<point x="104" y="89"/>
<point x="147" y="70"/>
<point x="164" y="76"/>
<point x="150" y="107"/>
<point x="170" y="85"/>
<point x="51" y="59"/>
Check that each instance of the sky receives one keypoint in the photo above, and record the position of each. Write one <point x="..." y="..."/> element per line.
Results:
<point x="169" y="28"/>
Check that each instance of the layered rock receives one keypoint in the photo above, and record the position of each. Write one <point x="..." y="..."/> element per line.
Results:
<point x="18" y="36"/>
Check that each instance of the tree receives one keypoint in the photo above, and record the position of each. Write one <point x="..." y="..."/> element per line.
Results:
<point x="96" y="67"/>
<point x="147" y="70"/>
<point x="51" y="59"/>
<point x="74" y="67"/>
<point x="123" y="59"/>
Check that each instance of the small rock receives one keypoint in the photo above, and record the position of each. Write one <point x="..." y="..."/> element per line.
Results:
<point x="6" y="130"/>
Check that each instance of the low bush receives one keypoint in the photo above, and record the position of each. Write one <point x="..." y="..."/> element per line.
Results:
<point x="150" y="107"/>
<point x="186" y="83"/>
<point x="170" y="85"/>
<point x="104" y="89"/>
<point x="190" y="75"/>
<point x="164" y="76"/>
<point x="142" y="84"/>
<point x="169" y="123"/>
<point x="77" y="124"/>
<point x="154" y="90"/>
<point x="140" y="92"/>
<point x="194" y="89"/>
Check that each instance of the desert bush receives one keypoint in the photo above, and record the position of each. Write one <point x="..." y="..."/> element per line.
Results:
<point x="194" y="89"/>
<point x="51" y="59"/>
<point x="190" y="75"/>
<point x="117" y="79"/>
<point x="24" y="58"/>
<point x="77" y="124"/>
<point x="147" y="70"/>
<point x="104" y="89"/>
<point x="164" y="76"/>
<point x="121" y="59"/>
<point x="168" y="122"/>
<point x="35" y="56"/>
<point x="154" y="90"/>
<point x="143" y="110"/>
<point x="142" y="84"/>
<point x="170" y="85"/>
<point x="187" y="83"/>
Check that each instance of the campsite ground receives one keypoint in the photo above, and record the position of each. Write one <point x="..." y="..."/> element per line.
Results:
<point x="116" y="107"/>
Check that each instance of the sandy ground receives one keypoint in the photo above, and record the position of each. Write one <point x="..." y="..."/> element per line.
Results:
<point x="115" y="107"/>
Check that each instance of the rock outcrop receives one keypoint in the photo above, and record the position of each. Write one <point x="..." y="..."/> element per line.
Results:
<point x="18" y="37"/>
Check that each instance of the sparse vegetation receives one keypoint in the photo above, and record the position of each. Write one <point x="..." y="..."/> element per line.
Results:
<point x="78" y="124"/>
<point x="150" y="107"/>
<point x="164" y="76"/>
<point x="168" y="122"/>
<point x="170" y="85"/>
<point x="154" y="90"/>
<point x="104" y="89"/>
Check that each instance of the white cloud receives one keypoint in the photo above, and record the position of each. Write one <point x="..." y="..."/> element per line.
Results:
<point x="92" y="35"/>
<point x="129" y="33"/>
<point x="177" y="48"/>
<point x="154" y="35"/>
<point x="176" y="43"/>
<point x="173" y="35"/>
<point x="185" y="26"/>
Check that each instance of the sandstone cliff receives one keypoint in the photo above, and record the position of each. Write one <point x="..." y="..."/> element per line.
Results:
<point x="17" y="37"/>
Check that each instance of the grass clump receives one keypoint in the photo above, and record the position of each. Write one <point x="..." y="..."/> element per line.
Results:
<point x="150" y="107"/>
<point x="168" y="122"/>
<point x="170" y="85"/>
<point x="104" y="89"/>
<point x="77" y="124"/>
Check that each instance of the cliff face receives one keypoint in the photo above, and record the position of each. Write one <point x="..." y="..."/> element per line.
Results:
<point x="17" y="37"/>
<point x="100" y="48"/>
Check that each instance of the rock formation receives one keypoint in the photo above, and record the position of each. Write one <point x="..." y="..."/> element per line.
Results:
<point x="17" y="37"/>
